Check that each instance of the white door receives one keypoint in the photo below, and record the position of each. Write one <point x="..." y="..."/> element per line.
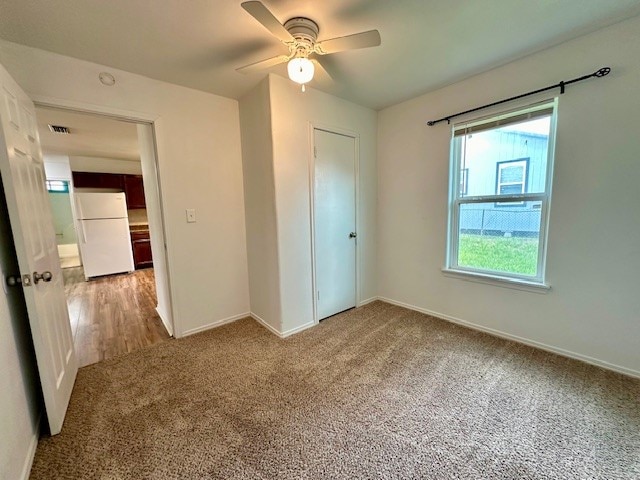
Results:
<point x="32" y="226"/>
<point x="334" y="222"/>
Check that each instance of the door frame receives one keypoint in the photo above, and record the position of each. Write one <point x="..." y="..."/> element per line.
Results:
<point x="138" y="118"/>
<point x="313" y="126"/>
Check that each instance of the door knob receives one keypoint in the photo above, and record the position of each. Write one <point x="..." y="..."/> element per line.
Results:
<point x="353" y="235"/>
<point x="44" y="276"/>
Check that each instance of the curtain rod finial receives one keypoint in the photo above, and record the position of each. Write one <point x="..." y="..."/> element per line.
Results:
<point x="602" y="72"/>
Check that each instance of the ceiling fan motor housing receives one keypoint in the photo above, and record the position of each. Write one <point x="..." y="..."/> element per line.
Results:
<point x="304" y="30"/>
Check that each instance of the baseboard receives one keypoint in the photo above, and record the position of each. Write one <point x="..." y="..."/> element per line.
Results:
<point x="31" y="452"/>
<point x="217" y="323"/>
<point x="367" y="301"/>
<point x="532" y="343"/>
<point x="166" y="324"/>
<point x="264" y="323"/>
<point x="277" y="332"/>
<point x="295" y="330"/>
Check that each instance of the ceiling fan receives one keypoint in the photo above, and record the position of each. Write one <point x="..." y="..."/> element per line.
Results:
<point x="300" y="35"/>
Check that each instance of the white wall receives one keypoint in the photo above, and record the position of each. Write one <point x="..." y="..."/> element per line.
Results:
<point x="19" y="410"/>
<point x="292" y="112"/>
<point x="105" y="165"/>
<point x="56" y="167"/>
<point x="260" y="208"/>
<point x="593" y="308"/>
<point x="199" y="155"/>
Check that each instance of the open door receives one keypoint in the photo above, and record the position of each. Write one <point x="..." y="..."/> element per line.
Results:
<point x="32" y="226"/>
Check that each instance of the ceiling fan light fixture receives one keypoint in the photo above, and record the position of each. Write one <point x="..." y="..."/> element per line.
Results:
<point x="300" y="70"/>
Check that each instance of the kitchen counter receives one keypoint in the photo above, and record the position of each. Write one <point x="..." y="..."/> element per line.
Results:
<point x="138" y="227"/>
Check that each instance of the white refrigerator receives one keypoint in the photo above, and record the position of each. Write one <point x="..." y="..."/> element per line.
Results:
<point x="105" y="241"/>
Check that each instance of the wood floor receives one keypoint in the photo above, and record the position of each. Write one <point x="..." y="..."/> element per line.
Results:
<point x="112" y="315"/>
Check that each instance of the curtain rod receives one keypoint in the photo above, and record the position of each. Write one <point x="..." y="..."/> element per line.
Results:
<point x="598" y="74"/>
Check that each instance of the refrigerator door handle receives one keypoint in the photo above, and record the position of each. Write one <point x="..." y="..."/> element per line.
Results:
<point x="83" y="232"/>
<point x="79" y="207"/>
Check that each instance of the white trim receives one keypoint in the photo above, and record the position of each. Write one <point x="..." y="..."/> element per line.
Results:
<point x="278" y="333"/>
<point x="166" y="324"/>
<point x="299" y="329"/>
<point x="496" y="280"/>
<point x="497" y="112"/>
<point x="93" y="109"/>
<point x="217" y="323"/>
<point x="532" y="343"/>
<point x="312" y="219"/>
<point x="367" y="301"/>
<point x="264" y="323"/>
<point x="31" y="451"/>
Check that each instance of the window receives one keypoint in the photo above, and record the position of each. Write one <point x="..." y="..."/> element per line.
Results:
<point x="500" y="190"/>
<point x="512" y="177"/>
<point x="57" y="186"/>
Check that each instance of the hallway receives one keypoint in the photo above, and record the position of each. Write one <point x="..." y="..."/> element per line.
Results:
<point x="112" y="315"/>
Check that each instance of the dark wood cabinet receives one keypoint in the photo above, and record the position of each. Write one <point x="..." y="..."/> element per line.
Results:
<point x="141" y="246"/>
<point x="134" y="191"/>
<point x="131" y="185"/>
<point x="98" y="180"/>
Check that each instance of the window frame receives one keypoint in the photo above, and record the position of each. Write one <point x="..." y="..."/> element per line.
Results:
<point x="464" y="182"/>
<point x="456" y="200"/>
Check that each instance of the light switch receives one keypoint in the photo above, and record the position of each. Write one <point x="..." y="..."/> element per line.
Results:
<point x="191" y="215"/>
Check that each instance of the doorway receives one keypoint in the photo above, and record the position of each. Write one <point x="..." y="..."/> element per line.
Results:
<point x="117" y="288"/>
<point x="334" y="221"/>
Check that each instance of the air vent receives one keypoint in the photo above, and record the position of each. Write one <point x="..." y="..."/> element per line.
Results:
<point x="59" y="129"/>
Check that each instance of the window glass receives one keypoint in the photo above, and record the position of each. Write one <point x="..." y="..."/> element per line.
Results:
<point x="480" y="152"/>
<point x="502" y="240"/>
<point x="60" y="186"/>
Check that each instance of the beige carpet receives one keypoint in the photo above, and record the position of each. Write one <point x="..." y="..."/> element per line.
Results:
<point x="377" y="392"/>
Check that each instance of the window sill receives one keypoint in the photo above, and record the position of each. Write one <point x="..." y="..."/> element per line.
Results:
<point x="498" y="281"/>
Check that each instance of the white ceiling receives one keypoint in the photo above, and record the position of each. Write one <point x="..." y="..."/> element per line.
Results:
<point x="91" y="135"/>
<point x="426" y="44"/>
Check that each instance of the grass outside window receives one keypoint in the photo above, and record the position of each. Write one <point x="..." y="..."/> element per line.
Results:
<point x="517" y="255"/>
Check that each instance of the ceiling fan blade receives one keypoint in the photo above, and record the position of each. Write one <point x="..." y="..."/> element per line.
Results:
<point x="350" y="42"/>
<point x="263" y="64"/>
<point x="321" y="72"/>
<point x="262" y="14"/>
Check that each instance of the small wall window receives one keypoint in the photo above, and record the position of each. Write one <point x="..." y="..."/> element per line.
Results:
<point x="500" y="191"/>
<point x="511" y="178"/>
<point x="57" y="186"/>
